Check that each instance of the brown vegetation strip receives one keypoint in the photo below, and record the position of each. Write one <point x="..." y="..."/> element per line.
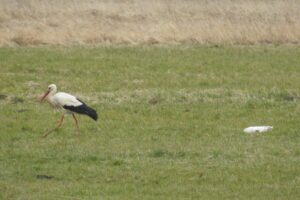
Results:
<point x="77" y="22"/>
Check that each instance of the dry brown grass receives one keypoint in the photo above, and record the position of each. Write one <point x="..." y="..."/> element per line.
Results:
<point x="93" y="22"/>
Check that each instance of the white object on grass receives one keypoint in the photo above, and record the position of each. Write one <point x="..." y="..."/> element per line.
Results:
<point x="258" y="129"/>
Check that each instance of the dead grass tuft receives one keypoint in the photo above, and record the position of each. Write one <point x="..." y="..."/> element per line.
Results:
<point x="26" y="41"/>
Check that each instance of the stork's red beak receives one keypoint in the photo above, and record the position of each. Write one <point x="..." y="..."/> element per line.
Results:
<point x="44" y="96"/>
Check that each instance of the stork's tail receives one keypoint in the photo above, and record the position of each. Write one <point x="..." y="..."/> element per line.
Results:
<point x="91" y="112"/>
<point x="83" y="109"/>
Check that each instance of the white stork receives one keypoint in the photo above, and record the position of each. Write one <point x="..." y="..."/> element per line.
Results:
<point x="69" y="104"/>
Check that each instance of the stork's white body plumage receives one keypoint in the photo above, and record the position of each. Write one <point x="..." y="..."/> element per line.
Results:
<point x="61" y="99"/>
<point x="69" y="104"/>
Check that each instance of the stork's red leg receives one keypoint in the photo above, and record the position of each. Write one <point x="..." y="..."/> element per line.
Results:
<point x="57" y="127"/>
<point x="60" y="121"/>
<point x="76" y="122"/>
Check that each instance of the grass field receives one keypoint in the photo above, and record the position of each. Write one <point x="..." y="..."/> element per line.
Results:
<point x="171" y="121"/>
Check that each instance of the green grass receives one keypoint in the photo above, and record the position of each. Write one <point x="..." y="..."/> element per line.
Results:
<point x="171" y="123"/>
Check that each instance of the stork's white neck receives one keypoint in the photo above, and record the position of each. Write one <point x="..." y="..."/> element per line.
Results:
<point x="51" y="93"/>
<point x="49" y="97"/>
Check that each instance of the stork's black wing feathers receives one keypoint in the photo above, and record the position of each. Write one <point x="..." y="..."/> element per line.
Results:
<point x="83" y="109"/>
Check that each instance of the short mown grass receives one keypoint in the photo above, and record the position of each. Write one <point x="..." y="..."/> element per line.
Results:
<point x="171" y="123"/>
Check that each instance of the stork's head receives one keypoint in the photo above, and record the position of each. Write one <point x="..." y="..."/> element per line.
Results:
<point x="51" y="90"/>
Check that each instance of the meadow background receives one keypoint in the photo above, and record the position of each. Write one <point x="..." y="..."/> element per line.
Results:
<point x="76" y="22"/>
<point x="174" y="83"/>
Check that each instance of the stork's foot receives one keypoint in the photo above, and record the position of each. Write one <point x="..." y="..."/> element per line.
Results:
<point x="56" y="128"/>
<point x="48" y="132"/>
